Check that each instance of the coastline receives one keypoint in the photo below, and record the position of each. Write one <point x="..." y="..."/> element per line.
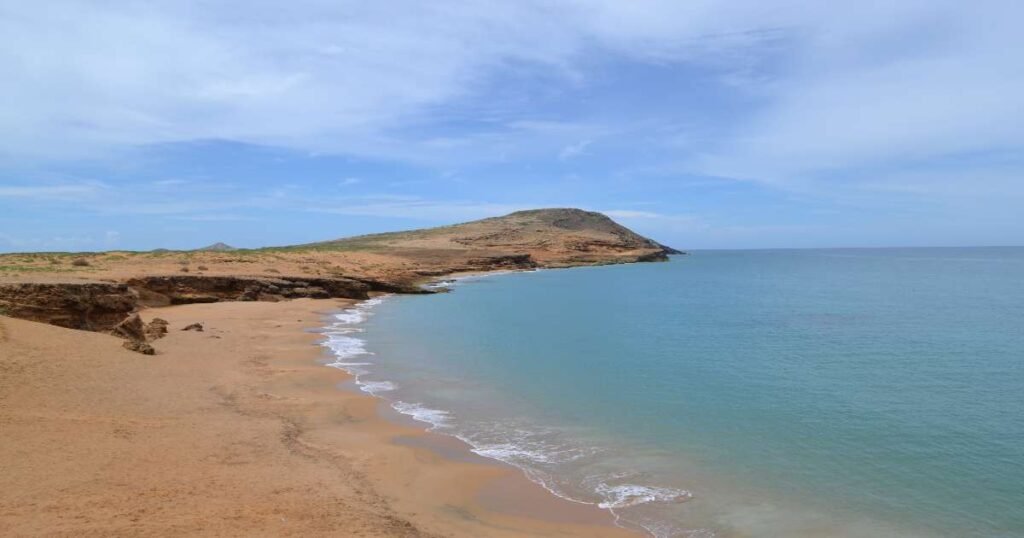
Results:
<point x="237" y="430"/>
<point x="510" y="493"/>
<point x="350" y="354"/>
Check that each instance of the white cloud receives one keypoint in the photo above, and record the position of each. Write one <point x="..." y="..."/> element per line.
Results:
<point x="327" y="76"/>
<point x="632" y="214"/>
<point x="838" y="85"/>
<point x="330" y="76"/>
<point x="916" y="81"/>
<point x="447" y="211"/>
<point x="574" y="150"/>
<point x="171" y="182"/>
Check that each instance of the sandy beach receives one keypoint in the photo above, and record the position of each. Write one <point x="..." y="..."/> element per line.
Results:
<point x="236" y="430"/>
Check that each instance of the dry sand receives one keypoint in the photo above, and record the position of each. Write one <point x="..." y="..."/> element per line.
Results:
<point x="235" y="431"/>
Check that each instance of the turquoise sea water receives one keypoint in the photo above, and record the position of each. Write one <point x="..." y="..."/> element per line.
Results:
<point x="848" y="392"/>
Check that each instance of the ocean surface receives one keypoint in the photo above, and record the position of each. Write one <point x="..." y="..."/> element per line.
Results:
<point x="841" y="392"/>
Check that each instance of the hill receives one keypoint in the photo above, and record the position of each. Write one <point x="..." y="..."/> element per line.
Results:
<point x="97" y="290"/>
<point x="218" y="247"/>
<point x="559" y="237"/>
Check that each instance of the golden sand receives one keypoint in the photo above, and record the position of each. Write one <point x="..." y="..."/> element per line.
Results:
<point x="235" y="431"/>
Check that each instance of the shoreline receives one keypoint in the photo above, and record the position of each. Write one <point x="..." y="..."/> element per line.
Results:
<point x="237" y="430"/>
<point x="449" y="446"/>
<point x="435" y="422"/>
<point x="445" y="444"/>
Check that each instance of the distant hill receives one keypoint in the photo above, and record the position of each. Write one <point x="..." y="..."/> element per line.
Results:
<point x="557" y="235"/>
<point x="217" y="247"/>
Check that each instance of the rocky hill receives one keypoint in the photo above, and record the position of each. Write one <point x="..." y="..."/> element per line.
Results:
<point x="218" y="247"/>
<point x="95" y="291"/>
<point x="551" y="237"/>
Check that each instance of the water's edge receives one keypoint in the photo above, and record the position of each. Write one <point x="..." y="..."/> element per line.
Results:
<point x="349" y="353"/>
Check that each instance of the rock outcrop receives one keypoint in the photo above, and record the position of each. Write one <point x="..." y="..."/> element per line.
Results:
<point x="139" y="346"/>
<point x="156" y="329"/>
<point x="134" y="332"/>
<point x="90" y="306"/>
<point x="186" y="289"/>
<point x="132" y="328"/>
<point x="104" y="307"/>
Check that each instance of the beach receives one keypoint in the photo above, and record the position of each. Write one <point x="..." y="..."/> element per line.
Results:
<point x="236" y="430"/>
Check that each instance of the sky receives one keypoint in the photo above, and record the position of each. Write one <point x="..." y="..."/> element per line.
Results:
<point x="740" y="124"/>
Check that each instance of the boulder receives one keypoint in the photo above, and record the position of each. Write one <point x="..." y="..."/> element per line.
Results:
<point x="156" y="329"/>
<point x="131" y="329"/>
<point x="139" y="347"/>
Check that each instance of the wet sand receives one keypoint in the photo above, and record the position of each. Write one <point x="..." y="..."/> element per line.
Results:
<point x="238" y="430"/>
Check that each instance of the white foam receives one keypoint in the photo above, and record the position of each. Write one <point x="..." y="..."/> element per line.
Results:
<point x="373" y="387"/>
<point x="626" y="495"/>
<point x="344" y="346"/>
<point x="357" y="314"/>
<point x="511" y="453"/>
<point x="345" y="365"/>
<point x="351" y="316"/>
<point x="435" y="417"/>
<point x="525" y="446"/>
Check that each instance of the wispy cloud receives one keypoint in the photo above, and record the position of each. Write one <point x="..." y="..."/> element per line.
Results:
<point x="212" y="218"/>
<point x="839" y="83"/>
<point x="420" y="209"/>
<point x="574" y="150"/>
<point x="631" y="214"/>
<point x="48" y="192"/>
<point x="341" y="77"/>
<point x="916" y="82"/>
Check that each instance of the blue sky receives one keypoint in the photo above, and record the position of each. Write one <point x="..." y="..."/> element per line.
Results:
<point x="742" y="124"/>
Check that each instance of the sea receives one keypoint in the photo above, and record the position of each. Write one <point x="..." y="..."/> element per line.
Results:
<point x="755" y="393"/>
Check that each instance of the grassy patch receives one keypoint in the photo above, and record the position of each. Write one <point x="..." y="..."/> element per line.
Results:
<point x="32" y="269"/>
<point x="342" y="246"/>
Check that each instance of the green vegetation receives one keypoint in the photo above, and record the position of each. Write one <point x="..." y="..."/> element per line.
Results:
<point x="32" y="269"/>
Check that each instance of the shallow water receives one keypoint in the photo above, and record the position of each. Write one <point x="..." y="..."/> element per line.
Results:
<point x="746" y="393"/>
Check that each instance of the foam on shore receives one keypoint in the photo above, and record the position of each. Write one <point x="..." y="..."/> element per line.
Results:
<point x="538" y="452"/>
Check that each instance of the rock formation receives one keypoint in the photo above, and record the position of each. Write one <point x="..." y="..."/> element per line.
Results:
<point x="156" y="329"/>
<point x="92" y="306"/>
